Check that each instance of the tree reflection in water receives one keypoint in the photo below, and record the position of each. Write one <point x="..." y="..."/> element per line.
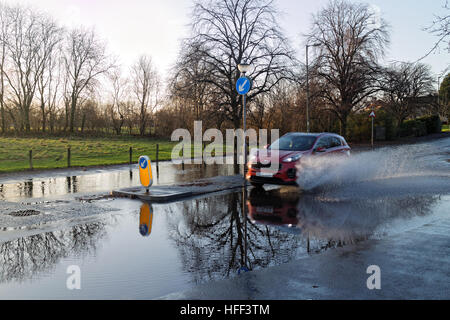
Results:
<point x="22" y="258"/>
<point x="219" y="235"/>
<point x="216" y="238"/>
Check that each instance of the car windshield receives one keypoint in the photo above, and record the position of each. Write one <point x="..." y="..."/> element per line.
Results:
<point x="293" y="143"/>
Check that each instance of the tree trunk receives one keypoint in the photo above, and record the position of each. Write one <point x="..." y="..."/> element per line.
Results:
<point x="142" y="128"/>
<point x="83" y="121"/>
<point x="73" y="107"/>
<point x="343" y="118"/>
<point x="52" y="123"/>
<point x="43" y="117"/>
<point x="3" y="115"/>
<point x="27" y="119"/>
<point x="142" y="124"/>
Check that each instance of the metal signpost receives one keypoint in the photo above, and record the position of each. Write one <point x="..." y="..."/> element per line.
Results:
<point x="372" y="115"/>
<point x="243" y="86"/>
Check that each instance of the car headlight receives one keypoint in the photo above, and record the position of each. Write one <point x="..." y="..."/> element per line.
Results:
<point x="293" y="158"/>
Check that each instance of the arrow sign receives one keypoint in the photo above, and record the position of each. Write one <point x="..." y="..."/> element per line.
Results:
<point x="243" y="85"/>
<point x="372" y="114"/>
<point x="143" y="163"/>
<point x="145" y="171"/>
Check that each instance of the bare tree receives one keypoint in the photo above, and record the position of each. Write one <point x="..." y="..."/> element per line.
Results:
<point x="350" y="39"/>
<point x="146" y="86"/>
<point x="229" y="32"/>
<point x="117" y="107"/>
<point x="4" y="28"/>
<point x="444" y="96"/>
<point x="85" y="60"/>
<point x="48" y="80"/>
<point x="186" y="83"/>
<point x="440" y="28"/>
<point x="403" y="83"/>
<point x="53" y="92"/>
<point x="32" y="38"/>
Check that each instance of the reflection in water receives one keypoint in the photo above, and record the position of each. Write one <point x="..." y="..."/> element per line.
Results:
<point x="334" y="221"/>
<point x="273" y="207"/>
<point x="215" y="238"/>
<point x="69" y="185"/>
<point x="72" y="185"/>
<point x="211" y="238"/>
<point x="26" y="188"/>
<point x="23" y="258"/>
<point x="145" y="219"/>
<point x="105" y="180"/>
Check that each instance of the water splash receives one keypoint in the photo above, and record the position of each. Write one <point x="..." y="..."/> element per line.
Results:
<point x="410" y="169"/>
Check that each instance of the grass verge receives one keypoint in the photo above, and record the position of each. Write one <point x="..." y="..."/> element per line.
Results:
<point x="50" y="153"/>
<point x="445" y="128"/>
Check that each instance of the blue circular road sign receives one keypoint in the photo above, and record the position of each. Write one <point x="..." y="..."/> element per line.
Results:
<point x="243" y="85"/>
<point x="143" y="163"/>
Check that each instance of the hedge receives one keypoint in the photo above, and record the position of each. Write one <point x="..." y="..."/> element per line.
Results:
<point x="420" y="126"/>
<point x="359" y="126"/>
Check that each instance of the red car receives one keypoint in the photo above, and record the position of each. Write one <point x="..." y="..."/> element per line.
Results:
<point x="292" y="147"/>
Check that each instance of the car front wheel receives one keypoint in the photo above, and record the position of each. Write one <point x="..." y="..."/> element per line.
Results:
<point x="257" y="185"/>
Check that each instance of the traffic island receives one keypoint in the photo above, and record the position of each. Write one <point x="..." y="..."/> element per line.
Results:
<point x="169" y="193"/>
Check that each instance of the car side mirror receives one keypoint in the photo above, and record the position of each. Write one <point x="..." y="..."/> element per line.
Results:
<point x="319" y="149"/>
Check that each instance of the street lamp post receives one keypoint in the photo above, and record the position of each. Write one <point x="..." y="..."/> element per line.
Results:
<point x="307" y="84"/>
<point x="243" y="69"/>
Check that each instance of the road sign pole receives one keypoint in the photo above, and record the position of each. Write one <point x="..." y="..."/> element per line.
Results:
<point x="372" y="132"/>
<point x="372" y="115"/>
<point x="307" y="91"/>
<point x="243" y="85"/>
<point x="244" y="97"/>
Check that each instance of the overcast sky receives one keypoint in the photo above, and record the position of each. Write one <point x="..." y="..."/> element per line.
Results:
<point x="134" y="27"/>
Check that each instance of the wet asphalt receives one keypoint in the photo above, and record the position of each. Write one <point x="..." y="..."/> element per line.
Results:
<point x="388" y="207"/>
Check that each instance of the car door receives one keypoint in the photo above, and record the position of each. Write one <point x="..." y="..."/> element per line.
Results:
<point x="338" y="147"/>
<point x="322" y="145"/>
<point x="334" y="145"/>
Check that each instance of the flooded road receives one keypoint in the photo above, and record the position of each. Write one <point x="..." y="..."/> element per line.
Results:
<point x="14" y="187"/>
<point x="131" y="249"/>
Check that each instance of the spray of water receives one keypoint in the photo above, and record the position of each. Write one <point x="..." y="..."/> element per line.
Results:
<point x="413" y="169"/>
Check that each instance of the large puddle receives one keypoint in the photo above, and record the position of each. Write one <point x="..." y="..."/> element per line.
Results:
<point x="37" y="185"/>
<point x="147" y="251"/>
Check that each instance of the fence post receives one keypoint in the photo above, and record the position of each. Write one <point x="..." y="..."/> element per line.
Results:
<point x="68" y="157"/>
<point x="182" y="157"/>
<point x="30" y="157"/>
<point x="131" y="155"/>
<point x="203" y="153"/>
<point x="157" y="160"/>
